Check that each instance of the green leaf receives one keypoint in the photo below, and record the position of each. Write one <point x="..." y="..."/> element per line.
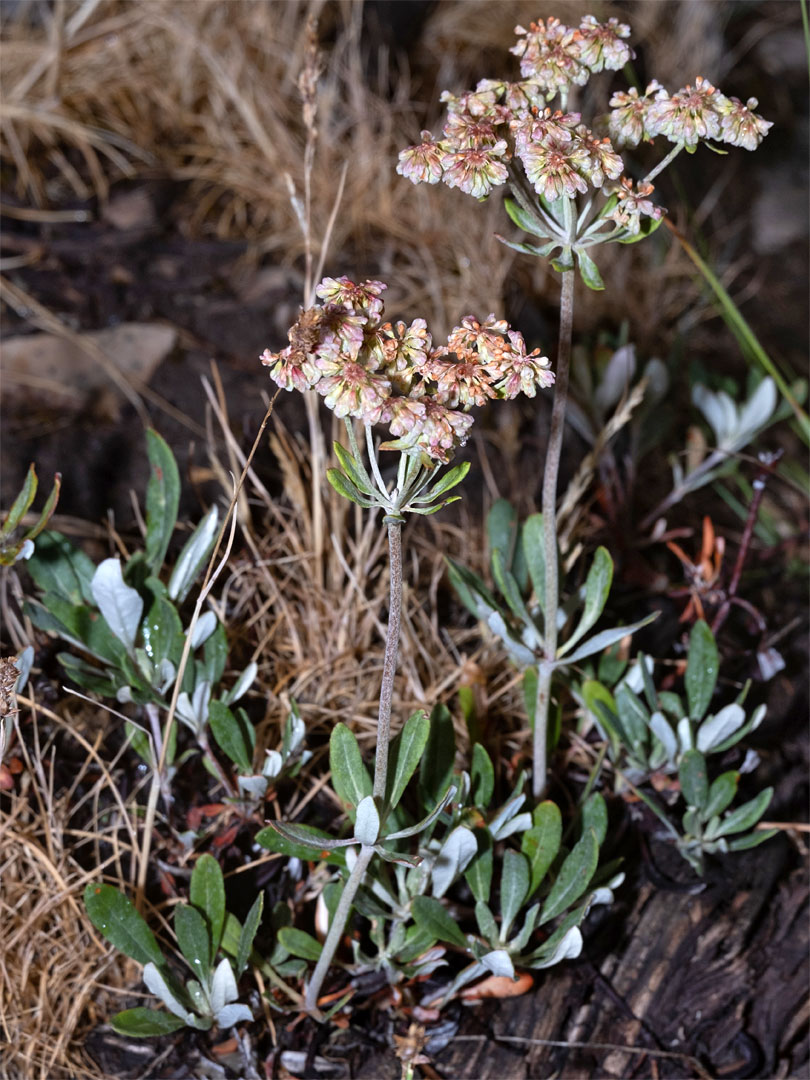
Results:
<point x="405" y="754"/>
<point x="215" y="655"/>
<point x="701" y="669"/>
<point x="502" y="529"/>
<point x="300" y="943"/>
<point x="514" y="888"/>
<point x="248" y="933"/>
<point x="21" y="504"/>
<point x="421" y="826"/>
<point x="595" y="816"/>
<point x="647" y="227"/>
<point x="120" y="605"/>
<point x="472" y="591"/>
<point x="162" y="632"/>
<point x="312" y="850"/>
<point x="693" y="779"/>
<point x="611" y="666"/>
<point x="231" y="736"/>
<point x="487" y="925"/>
<point x="433" y="918"/>
<point x="354" y="470"/>
<point x="597" y="588"/>
<point x="207" y="894"/>
<point x="478" y="874"/>
<point x="115" y="917"/>
<point x="535" y="552"/>
<point x="162" y="499"/>
<point x="574" y="877"/>
<point x="482" y="777"/>
<point x="47" y="509"/>
<point x="447" y="482"/>
<point x="541" y="842"/>
<point x="193" y="556"/>
<point x="754" y="839"/>
<point x="350" y="777"/>
<point x="524" y="220"/>
<point x="588" y="270"/>
<point x="58" y="567"/>
<point x="343" y="486"/>
<point x="745" y="816"/>
<point x="601" y="704"/>
<point x="192" y="937"/>
<point x="142" y="1023"/>
<point x="438" y="760"/>
<point x="635" y="720"/>
<point x="509" y="588"/>
<point x="721" y="794"/>
<point x="601" y="640"/>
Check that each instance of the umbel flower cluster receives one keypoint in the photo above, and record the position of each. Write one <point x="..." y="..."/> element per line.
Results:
<point x="489" y="127"/>
<point x="392" y="374"/>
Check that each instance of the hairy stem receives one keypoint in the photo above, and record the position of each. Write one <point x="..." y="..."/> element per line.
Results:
<point x="546" y="666"/>
<point x="336" y="929"/>
<point x="390" y="660"/>
<point x="380" y="764"/>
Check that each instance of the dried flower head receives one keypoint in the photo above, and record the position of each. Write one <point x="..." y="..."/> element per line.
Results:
<point x="687" y="116"/>
<point x="740" y="125"/>
<point x="421" y="164"/>
<point x="602" y="45"/>
<point x="551" y="55"/>
<point x="635" y="204"/>
<point x="395" y="376"/>
<point x="627" y="121"/>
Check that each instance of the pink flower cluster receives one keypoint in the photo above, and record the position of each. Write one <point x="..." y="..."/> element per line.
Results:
<point x="497" y="120"/>
<point x="383" y="373"/>
<point x="693" y="114"/>
<point x="487" y="128"/>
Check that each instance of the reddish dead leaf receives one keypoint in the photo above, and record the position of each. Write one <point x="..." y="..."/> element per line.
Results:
<point x="15" y="766"/>
<point x="6" y="779"/>
<point x="227" y="838"/>
<point x="208" y="810"/>
<point x="230" y="1046"/>
<point x="499" y="986"/>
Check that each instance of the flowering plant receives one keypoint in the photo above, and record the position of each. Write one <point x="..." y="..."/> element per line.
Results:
<point x="493" y="130"/>
<point x="505" y="133"/>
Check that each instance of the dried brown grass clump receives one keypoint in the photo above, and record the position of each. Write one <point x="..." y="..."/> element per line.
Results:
<point x="56" y="973"/>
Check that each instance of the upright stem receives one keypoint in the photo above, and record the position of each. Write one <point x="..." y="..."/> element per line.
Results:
<point x="332" y="941"/>
<point x="390" y="659"/>
<point x="550" y="474"/>
<point x="341" y="915"/>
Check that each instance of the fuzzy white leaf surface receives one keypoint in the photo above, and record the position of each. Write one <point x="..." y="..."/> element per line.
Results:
<point x="120" y="605"/>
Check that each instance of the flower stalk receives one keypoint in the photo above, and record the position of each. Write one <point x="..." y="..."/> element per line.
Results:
<point x="549" y="503"/>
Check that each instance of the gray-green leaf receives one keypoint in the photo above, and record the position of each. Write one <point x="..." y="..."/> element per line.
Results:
<point x="405" y="754"/>
<point x="116" y="918"/>
<point x="701" y="669"/>
<point x="429" y="914"/>
<point x="350" y="777"/>
<point x="162" y="499"/>
<point x="574" y="877"/>
<point x="207" y="894"/>
<point x="514" y="888"/>
<point x="541" y="842"/>
<point x="192" y="937"/>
